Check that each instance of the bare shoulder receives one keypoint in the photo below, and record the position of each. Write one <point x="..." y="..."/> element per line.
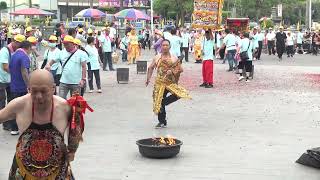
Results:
<point x="61" y="103"/>
<point x="20" y="102"/>
<point x="174" y="58"/>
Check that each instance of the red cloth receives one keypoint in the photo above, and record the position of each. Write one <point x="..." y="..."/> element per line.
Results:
<point x="78" y="104"/>
<point x="207" y="71"/>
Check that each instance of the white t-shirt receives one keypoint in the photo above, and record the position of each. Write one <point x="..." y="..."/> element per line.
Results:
<point x="230" y="42"/>
<point x="113" y="33"/>
<point x="271" y="36"/>
<point x="299" y="38"/>
<point x="185" y="39"/>
<point x="260" y="37"/>
<point x="290" y="40"/>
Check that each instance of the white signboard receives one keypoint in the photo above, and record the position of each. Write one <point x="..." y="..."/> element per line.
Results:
<point x="51" y="5"/>
<point x="279" y="10"/>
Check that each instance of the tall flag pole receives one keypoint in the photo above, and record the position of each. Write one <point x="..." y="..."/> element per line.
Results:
<point x="152" y="30"/>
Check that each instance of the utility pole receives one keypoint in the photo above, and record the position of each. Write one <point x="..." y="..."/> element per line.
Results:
<point x="309" y="13"/>
<point x="67" y="8"/>
<point x="151" y="17"/>
<point x="91" y="4"/>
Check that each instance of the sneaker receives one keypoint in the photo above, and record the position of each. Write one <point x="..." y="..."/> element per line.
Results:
<point x="91" y="91"/>
<point x="203" y="85"/>
<point x="241" y="78"/>
<point x="247" y="80"/>
<point x="160" y="125"/>
<point x="209" y="86"/>
<point x="99" y="91"/>
<point x="14" y="133"/>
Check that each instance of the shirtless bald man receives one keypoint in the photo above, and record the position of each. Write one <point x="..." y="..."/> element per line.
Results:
<point x="42" y="119"/>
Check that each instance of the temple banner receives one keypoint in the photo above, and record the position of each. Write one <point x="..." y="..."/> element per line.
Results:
<point x="207" y="14"/>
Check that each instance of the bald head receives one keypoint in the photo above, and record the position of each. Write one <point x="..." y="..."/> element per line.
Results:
<point x="41" y="77"/>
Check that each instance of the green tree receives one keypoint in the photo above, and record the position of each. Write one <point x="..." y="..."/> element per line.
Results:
<point x="293" y="10"/>
<point x="3" y="6"/>
<point x="175" y="9"/>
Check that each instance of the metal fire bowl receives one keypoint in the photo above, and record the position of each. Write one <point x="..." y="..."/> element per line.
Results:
<point x="148" y="148"/>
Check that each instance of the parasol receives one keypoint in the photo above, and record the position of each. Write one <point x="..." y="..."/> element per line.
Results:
<point x="94" y="13"/>
<point x="132" y="14"/>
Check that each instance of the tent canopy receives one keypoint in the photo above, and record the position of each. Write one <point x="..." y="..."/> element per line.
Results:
<point x="32" y="11"/>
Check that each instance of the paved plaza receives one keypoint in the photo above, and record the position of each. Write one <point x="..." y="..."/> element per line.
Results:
<point x="237" y="130"/>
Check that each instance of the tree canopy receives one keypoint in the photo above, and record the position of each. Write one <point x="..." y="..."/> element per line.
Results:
<point x="293" y="10"/>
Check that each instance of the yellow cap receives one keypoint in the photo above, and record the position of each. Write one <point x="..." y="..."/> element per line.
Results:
<point x="19" y="38"/>
<point x="281" y="27"/>
<point x="32" y="39"/>
<point x="90" y="31"/>
<point x="77" y="42"/>
<point x="28" y="29"/>
<point x="80" y="30"/>
<point x="53" y="38"/>
<point x="67" y="39"/>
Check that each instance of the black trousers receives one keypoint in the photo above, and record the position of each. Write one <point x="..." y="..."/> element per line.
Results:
<point x="259" y="50"/>
<point x="124" y="55"/>
<point x="147" y="43"/>
<point x="5" y="97"/>
<point x="280" y="50"/>
<point x="96" y="74"/>
<point x="221" y="53"/>
<point x="107" y="60"/>
<point x="186" y="53"/>
<point x="165" y="102"/>
<point x="315" y="48"/>
<point x="271" y="47"/>
<point x="290" y="51"/>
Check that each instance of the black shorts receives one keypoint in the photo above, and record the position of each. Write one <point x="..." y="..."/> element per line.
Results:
<point x="248" y="65"/>
<point x="299" y="45"/>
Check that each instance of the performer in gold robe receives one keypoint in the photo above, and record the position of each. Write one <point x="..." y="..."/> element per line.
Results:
<point x="198" y="47"/>
<point x="168" y="74"/>
<point x="133" y="48"/>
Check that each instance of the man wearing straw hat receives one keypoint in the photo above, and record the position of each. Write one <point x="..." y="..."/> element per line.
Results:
<point x="5" y="92"/>
<point x="74" y="68"/>
<point x="19" y="68"/>
<point x="270" y="38"/>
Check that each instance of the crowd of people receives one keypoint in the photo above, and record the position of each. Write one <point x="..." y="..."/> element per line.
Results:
<point x="73" y="57"/>
<point x="74" y="54"/>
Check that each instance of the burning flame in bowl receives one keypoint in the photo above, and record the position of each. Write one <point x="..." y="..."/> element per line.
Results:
<point x="165" y="141"/>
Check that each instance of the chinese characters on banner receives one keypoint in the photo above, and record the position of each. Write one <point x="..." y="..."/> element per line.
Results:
<point x="126" y="3"/>
<point x="207" y="14"/>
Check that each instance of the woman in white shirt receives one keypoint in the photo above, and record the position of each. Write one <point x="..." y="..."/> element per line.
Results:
<point x="93" y="64"/>
<point x="290" y="44"/>
<point x="246" y="46"/>
<point x="53" y="54"/>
